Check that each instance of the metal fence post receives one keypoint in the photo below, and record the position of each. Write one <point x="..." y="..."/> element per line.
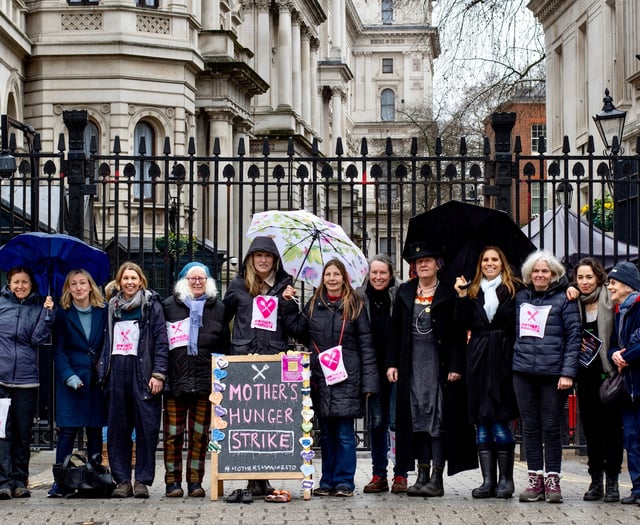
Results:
<point x="502" y="124"/>
<point x="76" y="121"/>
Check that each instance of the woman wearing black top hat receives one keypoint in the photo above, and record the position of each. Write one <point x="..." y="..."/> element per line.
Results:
<point x="428" y="362"/>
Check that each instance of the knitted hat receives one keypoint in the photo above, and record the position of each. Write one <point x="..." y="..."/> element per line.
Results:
<point x="183" y="273"/>
<point x="627" y="273"/>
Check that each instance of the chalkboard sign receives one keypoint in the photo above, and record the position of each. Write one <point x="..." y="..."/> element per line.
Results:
<point x="261" y="419"/>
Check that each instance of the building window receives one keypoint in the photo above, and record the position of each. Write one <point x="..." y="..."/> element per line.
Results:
<point x="538" y="204"/>
<point x="537" y="131"/>
<point x="83" y="2"/>
<point x="90" y="131"/>
<point x="387" y="105"/>
<point x="387" y="65"/>
<point x="147" y="3"/>
<point x="143" y="133"/>
<point x="387" y="11"/>
<point x="388" y="245"/>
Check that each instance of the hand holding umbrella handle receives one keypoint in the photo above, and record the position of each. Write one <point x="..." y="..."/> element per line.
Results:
<point x="48" y="305"/>
<point x="461" y="286"/>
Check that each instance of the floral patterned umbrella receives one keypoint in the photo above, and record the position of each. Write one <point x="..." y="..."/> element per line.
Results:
<point x="306" y="242"/>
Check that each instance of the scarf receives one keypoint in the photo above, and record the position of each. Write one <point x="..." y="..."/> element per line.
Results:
<point x="491" y="301"/>
<point x="624" y="310"/>
<point x="604" y="321"/>
<point x="196" y="307"/>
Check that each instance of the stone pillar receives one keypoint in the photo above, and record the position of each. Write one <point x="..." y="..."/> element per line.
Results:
<point x="263" y="51"/>
<point x="284" y="55"/>
<point x="210" y="15"/>
<point x="220" y="128"/>
<point x="313" y="87"/>
<point x="336" y="112"/>
<point x="307" y="89"/>
<point x="336" y="29"/>
<point x="296" y="80"/>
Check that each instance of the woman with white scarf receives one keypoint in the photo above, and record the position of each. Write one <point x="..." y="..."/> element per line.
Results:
<point x="195" y="329"/>
<point x="486" y="310"/>
<point x="602" y="424"/>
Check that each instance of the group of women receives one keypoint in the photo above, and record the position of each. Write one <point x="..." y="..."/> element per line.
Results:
<point x="448" y="368"/>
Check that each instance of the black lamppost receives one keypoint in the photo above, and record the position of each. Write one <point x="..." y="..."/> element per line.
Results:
<point x="610" y="125"/>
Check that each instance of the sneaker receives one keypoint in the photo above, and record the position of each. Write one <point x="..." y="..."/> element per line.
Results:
<point x="122" y="490"/>
<point x="377" y="484"/>
<point x="174" y="490"/>
<point x="5" y="493"/>
<point x="21" y="492"/>
<point x="140" y="490"/>
<point x="323" y="491"/>
<point x="399" y="485"/>
<point x="552" y="488"/>
<point x="54" y="491"/>
<point x="195" y="490"/>
<point x="535" y="488"/>
<point x="343" y="492"/>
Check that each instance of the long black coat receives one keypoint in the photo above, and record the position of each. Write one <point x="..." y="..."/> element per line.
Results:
<point x="192" y="374"/>
<point x="459" y="434"/>
<point x="489" y="357"/>
<point x="320" y="332"/>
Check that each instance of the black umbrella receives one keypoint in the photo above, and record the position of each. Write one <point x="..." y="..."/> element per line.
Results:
<point x="460" y="231"/>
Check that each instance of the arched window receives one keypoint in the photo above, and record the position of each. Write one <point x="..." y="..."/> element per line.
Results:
<point x="91" y="130"/>
<point x="145" y="133"/>
<point x="387" y="105"/>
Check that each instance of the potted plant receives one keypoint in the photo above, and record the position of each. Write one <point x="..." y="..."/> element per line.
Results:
<point x="600" y="214"/>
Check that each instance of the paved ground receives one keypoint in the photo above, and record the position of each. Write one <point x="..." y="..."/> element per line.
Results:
<point x="456" y="507"/>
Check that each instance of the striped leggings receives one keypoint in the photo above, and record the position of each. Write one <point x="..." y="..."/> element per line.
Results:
<point x="176" y="410"/>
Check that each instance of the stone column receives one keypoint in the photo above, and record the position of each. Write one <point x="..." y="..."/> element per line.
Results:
<point x="336" y="110"/>
<point x="308" y="90"/>
<point x="313" y="87"/>
<point x="284" y="62"/>
<point x="296" y="80"/>
<point x="263" y="51"/>
<point x="210" y="14"/>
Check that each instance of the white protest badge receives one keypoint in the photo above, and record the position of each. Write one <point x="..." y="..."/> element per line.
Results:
<point x="126" y="335"/>
<point x="533" y="320"/>
<point x="178" y="333"/>
<point x="265" y="313"/>
<point x="5" y="403"/>
<point x="332" y="365"/>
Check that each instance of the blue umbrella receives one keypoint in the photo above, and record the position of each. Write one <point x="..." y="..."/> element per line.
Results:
<point x="51" y="256"/>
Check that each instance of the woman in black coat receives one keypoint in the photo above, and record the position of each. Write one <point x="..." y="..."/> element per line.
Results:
<point x="335" y="321"/>
<point x="428" y="363"/>
<point x="487" y="311"/>
<point x="195" y="329"/>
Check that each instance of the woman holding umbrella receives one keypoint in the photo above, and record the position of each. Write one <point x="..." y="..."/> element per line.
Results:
<point x="78" y="339"/>
<point x="428" y="363"/>
<point x="133" y="367"/>
<point x="486" y="309"/>
<point x="258" y="289"/>
<point x="25" y="324"/>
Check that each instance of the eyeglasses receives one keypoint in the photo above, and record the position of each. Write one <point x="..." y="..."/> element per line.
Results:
<point x="197" y="279"/>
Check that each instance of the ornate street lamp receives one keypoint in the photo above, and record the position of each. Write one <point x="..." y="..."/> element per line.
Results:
<point x="564" y="193"/>
<point x="610" y="124"/>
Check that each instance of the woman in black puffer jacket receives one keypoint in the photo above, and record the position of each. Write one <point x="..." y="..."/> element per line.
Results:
<point x="195" y="329"/>
<point x="335" y="316"/>
<point x="545" y="364"/>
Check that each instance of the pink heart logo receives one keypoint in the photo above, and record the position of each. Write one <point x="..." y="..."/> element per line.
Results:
<point x="331" y="359"/>
<point x="266" y="306"/>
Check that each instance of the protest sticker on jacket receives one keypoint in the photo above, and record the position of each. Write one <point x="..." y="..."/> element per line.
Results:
<point x="265" y="313"/>
<point x="126" y="335"/>
<point x="178" y="333"/>
<point x="533" y="320"/>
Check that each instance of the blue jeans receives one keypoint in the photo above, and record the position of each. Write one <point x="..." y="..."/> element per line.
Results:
<point x="338" y="447"/>
<point x="498" y="433"/>
<point x="380" y="420"/>
<point x="631" y="422"/>
<point x="541" y="405"/>
<point x="67" y="437"/>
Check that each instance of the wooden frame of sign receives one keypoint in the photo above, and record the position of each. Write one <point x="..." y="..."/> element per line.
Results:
<point x="257" y="422"/>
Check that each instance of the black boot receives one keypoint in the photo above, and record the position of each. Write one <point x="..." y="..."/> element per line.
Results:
<point x="435" y="486"/>
<point x="505" y="486"/>
<point x="421" y="481"/>
<point x="612" y="492"/>
<point x="487" y="457"/>
<point x="596" y="489"/>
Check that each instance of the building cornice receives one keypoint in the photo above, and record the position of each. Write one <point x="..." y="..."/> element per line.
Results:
<point x="543" y="10"/>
